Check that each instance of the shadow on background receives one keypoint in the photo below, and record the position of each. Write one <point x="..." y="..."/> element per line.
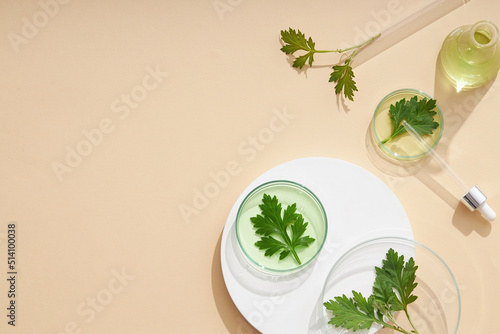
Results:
<point x="422" y="169"/>
<point x="467" y="222"/>
<point x="232" y="318"/>
<point x="455" y="106"/>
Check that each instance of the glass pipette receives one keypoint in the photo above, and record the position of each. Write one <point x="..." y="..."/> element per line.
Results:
<point x="408" y="26"/>
<point x="474" y="198"/>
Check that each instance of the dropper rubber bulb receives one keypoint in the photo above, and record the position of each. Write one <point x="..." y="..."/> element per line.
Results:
<point x="487" y="212"/>
<point x="475" y="199"/>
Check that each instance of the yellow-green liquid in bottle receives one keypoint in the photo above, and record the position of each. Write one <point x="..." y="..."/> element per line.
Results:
<point x="470" y="55"/>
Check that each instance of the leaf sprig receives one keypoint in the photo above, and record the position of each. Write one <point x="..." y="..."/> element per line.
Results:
<point x="418" y="113"/>
<point x="392" y="291"/>
<point x="342" y="74"/>
<point x="289" y="228"/>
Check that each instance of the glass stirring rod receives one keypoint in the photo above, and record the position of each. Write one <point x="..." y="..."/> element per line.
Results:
<point x="474" y="198"/>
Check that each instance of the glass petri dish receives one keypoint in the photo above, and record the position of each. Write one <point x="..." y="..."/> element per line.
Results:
<point x="438" y="306"/>
<point x="288" y="193"/>
<point x="404" y="146"/>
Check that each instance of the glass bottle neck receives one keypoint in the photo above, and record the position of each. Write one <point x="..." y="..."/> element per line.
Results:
<point x="477" y="43"/>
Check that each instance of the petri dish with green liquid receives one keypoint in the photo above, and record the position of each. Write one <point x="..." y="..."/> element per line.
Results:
<point x="403" y="147"/>
<point x="287" y="193"/>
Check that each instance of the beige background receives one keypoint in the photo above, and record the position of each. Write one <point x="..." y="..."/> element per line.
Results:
<point x="207" y="77"/>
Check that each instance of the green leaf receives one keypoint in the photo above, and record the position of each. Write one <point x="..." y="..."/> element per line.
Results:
<point x="351" y="313"/>
<point x="296" y="41"/>
<point x="398" y="275"/>
<point x="397" y="114"/>
<point x="289" y="215"/>
<point x="343" y="75"/>
<point x="418" y="113"/>
<point x="392" y="292"/>
<point x="270" y="221"/>
<point x="284" y="254"/>
<point x="270" y="245"/>
<point x="298" y="229"/>
<point x="300" y="61"/>
<point x="280" y="233"/>
<point x="421" y="115"/>
<point x="385" y="298"/>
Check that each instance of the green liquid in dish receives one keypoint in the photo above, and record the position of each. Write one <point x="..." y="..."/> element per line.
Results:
<point x="404" y="146"/>
<point x="287" y="194"/>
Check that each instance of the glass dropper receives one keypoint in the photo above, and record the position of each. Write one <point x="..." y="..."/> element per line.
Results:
<point x="474" y="198"/>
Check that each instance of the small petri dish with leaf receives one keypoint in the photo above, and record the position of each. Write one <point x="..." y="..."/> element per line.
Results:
<point x="281" y="227"/>
<point x="420" y="111"/>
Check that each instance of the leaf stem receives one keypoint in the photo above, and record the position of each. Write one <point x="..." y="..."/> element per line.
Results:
<point x="357" y="47"/>
<point x="398" y="327"/>
<point x="361" y="45"/>
<point x="398" y="131"/>
<point x="289" y="244"/>
<point x="386" y="140"/>
<point x="411" y="322"/>
<point x="295" y="255"/>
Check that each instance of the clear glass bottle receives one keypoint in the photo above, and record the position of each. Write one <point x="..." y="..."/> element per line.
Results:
<point x="470" y="55"/>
